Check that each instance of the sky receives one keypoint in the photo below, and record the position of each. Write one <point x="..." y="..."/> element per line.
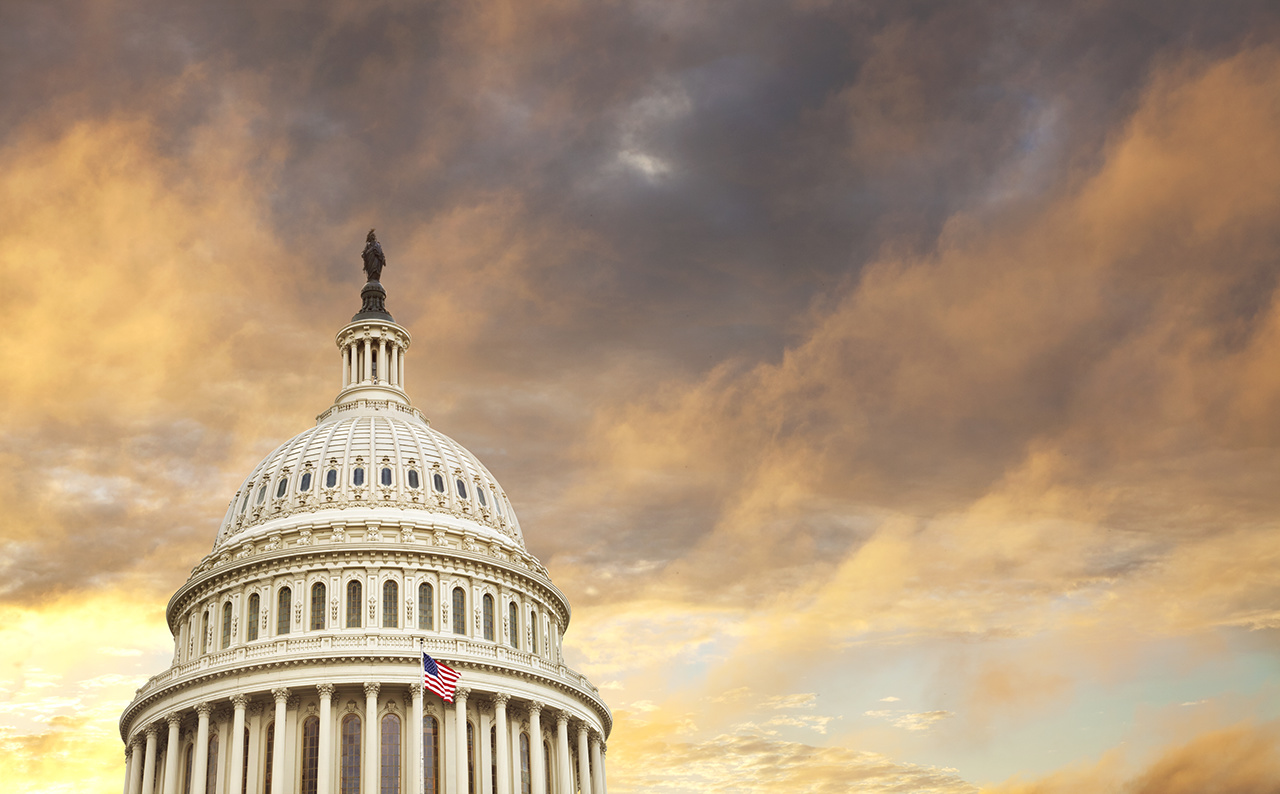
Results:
<point x="893" y="387"/>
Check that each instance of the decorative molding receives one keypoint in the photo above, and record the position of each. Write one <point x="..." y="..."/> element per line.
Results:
<point x="239" y="700"/>
<point x="280" y="694"/>
<point x="326" y="690"/>
<point x="415" y="689"/>
<point x="371" y="689"/>
<point x="204" y="709"/>
<point x="501" y="699"/>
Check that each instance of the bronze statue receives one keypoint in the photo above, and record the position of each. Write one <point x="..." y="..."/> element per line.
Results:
<point x="374" y="260"/>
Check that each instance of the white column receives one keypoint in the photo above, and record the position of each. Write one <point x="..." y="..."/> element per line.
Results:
<point x="324" y="780"/>
<point x="400" y="368"/>
<point x="254" y="749"/>
<point x="367" y="345"/>
<point x="415" y="741"/>
<point x="504" y="752"/>
<point x="483" y="723"/>
<point x="584" y="760"/>
<point x="382" y="361"/>
<point x="239" y="701"/>
<point x="128" y="767"/>
<point x="562" y="753"/>
<point x="345" y="381"/>
<point x="535" y="749"/>
<point x="597" y="764"/>
<point x="281" y="696"/>
<point x="171" y="755"/>
<point x="372" y="759"/>
<point x="460" y="742"/>
<point x="513" y="746"/>
<point x="200" y="769"/>
<point x="149" y="762"/>
<point x="135" y="767"/>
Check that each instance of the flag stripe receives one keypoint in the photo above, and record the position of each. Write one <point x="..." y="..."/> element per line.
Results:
<point x="439" y="677"/>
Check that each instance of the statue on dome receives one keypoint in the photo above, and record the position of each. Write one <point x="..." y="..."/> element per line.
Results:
<point x="373" y="258"/>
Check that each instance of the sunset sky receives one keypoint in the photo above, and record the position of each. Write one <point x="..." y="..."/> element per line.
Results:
<point x="892" y="387"/>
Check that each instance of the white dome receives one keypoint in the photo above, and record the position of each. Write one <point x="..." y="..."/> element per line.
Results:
<point x="385" y="459"/>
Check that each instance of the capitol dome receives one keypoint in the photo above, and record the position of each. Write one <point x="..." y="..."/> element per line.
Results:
<point x="349" y="552"/>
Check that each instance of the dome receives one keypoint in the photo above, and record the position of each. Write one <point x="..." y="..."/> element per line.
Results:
<point x="379" y="460"/>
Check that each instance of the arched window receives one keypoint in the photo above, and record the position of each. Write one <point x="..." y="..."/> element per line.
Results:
<point x="211" y="776"/>
<point x="426" y="607"/>
<point x="480" y="496"/>
<point x="271" y="747"/>
<point x="305" y="485"/>
<point x="462" y="489"/>
<point x="546" y="762"/>
<point x="251" y="620"/>
<point x="331" y="478"/>
<point x="390" y="755"/>
<point x="283" y="608"/>
<point x="262" y="493"/>
<point x="226" y="625"/>
<point x="353" y="603"/>
<point x="533" y="631"/>
<point x="526" y="771"/>
<point x="459" y="611"/>
<point x="386" y="476"/>
<point x="471" y="758"/>
<point x="390" y="605"/>
<point x="204" y="633"/>
<point x="350" y="783"/>
<point x="186" y="776"/>
<point x="488" y="617"/>
<point x="357" y="476"/>
<point x="317" y="606"/>
<point x="438" y="482"/>
<point x="497" y="503"/>
<point x="414" y="483"/>
<point x="431" y="755"/>
<point x="513" y="616"/>
<point x="310" y="755"/>
<point x="281" y="487"/>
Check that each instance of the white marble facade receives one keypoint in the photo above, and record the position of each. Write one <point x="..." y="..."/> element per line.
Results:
<point x="351" y="549"/>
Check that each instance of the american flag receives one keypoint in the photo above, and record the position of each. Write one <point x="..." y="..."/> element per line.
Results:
<point x="439" y="677"/>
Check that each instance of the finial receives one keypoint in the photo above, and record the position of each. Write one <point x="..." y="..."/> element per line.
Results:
<point x="373" y="296"/>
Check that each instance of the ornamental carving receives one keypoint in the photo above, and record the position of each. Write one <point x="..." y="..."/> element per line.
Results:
<point x="408" y="609"/>
<point x="373" y="607"/>
<point x="333" y="603"/>
<point x="274" y="542"/>
<point x="304" y="538"/>
<point x="245" y="551"/>
<point x="438" y="538"/>
<point x="339" y="534"/>
<point x="373" y="534"/>
<point x="406" y="534"/>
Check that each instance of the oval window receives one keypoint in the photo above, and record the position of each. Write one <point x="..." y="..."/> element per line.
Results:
<point x="262" y="494"/>
<point x="280" y="489"/>
<point x="305" y="485"/>
<point x="331" y="478"/>
<point x="462" y="489"/>
<point x="497" y="503"/>
<point x="386" y="476"/>
<point x="480" y="493"/>
<point x="438" y="482"/>
<point x="357" y="476"/>
<point x="413" y="478"/>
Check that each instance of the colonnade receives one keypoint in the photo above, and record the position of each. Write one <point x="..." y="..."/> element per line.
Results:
<point x="370" y="360"/>
<point x="511" y="762"/>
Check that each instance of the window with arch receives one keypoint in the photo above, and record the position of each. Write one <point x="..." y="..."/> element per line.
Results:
<point x="459" y="611"/>
<point x="281" y="487"/>
<point x="462" y="489"/>
<point x="414" y="482"/>
<point x="270" y="755"/>
<point x="533" y="630"/>
<point x="390" y="781"/>
<point x="526" y="770"/>
<point x="226" y="625"/>
<point x="305" y="484"/>
<point x="357" y="475"/>
<point x="211" y="776"/>
<point x="262" y="493"/>
<point x="386" y="476"/>
<point x="480" y="496"/>
<point x="204" y="633"/>
<point x="310" y="755"/>
<point x="251" y="619"/>
<point x="284" y="605"/>
<point x="426" y="606"/>
<point x="350" y="754"/>
<point x="497" y="503"/>
<point x="488" y="617"/>
<point x="513" y="617"/>
<point x="390" y="605"/>
<point x="186" y="776"/>
<point x="331" y="478"/>
<point x="471" y="758"/>
<point x="317" y="605"/>
<point x="354" y="597"/>
<point x="438" y="482"/>
<point x="431" y="755"/>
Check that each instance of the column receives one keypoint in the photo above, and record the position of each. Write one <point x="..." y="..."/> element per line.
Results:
<point x="345" y="368"/>
<point x="415" y="740"/>
<point x="393" y="368"/>
<point x="460" y="743"/>
<point x="236" y="774"/>
<point x="604" y="789"/>
<point x="149" y="764"/>
<point x="367" y="346"/>
<point x="484" y="785"/>
<point x="128" y="767"/>
<point x="504" y="753"/>
<point x="562" y="753"/>
<point x="281" y="696"/>
<point x="400" y="367"/>
<point x="171" y="755"/>
<point x="200" y="769"/>
<point x="597" y="763"/>
<point x="535" y="749"/>
<point x="584" y="760"/>
<point x="372" y="760"/>
<point x="254" y="749"/>
<point x="324" y="780"/>
<point x="382" y="361"/>
<point x="135" y="766"/>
